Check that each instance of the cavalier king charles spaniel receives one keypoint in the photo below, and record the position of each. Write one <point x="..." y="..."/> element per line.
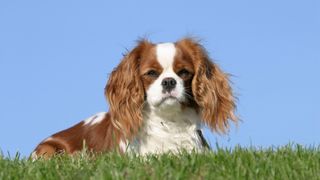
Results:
<point x="159" y="96"/>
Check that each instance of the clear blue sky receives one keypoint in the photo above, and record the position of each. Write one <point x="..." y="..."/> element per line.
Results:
<point x="55" y="57"/>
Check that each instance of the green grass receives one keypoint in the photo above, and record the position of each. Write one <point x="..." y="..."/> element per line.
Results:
<point x="288" y="162"/>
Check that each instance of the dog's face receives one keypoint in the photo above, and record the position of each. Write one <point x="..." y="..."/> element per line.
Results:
<point x="166" y="76"/>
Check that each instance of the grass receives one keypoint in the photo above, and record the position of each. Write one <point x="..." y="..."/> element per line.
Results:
<point x="288" y="162"/>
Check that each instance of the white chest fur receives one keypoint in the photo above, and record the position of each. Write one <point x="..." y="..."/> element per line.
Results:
<point x="170" y="131"/>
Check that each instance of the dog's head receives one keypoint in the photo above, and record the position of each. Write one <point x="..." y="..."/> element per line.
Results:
<point x="166" y="76"/>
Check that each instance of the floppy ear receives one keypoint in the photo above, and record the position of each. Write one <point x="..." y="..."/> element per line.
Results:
<point x="211" y="88"/>
<point x="125" y="93"/>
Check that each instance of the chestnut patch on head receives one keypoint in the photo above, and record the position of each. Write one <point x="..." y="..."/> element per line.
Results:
<point x="183" y="66"/>
<point x="150" y="69"/>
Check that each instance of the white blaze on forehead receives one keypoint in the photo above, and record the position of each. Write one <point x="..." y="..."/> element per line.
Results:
<point x="165" y="54"/>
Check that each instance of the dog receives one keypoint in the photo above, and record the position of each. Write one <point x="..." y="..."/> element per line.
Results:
<point x="160" y="96"/>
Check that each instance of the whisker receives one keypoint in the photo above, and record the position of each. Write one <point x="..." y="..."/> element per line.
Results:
<point x="187" y="95"/>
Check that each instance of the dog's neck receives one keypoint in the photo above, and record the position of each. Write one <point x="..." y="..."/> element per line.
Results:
<point x="168" y="129"/>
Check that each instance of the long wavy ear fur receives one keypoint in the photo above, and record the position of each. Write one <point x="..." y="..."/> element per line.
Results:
<point x="211" y="88"/>
<point x="125" y="93"/>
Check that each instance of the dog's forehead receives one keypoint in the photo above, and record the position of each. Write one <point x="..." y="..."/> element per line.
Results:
<point x="165" y="53"/>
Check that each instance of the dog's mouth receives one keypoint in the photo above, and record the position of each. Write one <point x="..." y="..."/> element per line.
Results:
<point x="169" y="100"/>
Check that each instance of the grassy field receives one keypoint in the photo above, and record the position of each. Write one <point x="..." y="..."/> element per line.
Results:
<point x="289" y="162"/>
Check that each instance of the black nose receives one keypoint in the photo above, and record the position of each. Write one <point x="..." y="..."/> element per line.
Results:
<point x="168" y="84"/>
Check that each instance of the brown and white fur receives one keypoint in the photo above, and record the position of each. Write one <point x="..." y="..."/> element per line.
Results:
<point x="159" y="96"/>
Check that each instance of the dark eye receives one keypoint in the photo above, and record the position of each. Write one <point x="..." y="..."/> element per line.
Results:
<point x="152" y="73"/>
<point x="184" y="73"/>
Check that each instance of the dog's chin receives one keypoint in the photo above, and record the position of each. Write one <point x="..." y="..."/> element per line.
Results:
<point x="168" y="102"/>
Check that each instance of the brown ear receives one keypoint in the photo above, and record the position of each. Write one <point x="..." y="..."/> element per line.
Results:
<point x="211" y="88"/>
<point x="125" y="92"/>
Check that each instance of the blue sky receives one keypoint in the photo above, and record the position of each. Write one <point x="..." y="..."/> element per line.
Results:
<point x="55" y="57"/>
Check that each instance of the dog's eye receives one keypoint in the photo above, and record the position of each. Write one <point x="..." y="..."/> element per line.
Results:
<point x="152" y="73"/>
<point x="184" y="73"/>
